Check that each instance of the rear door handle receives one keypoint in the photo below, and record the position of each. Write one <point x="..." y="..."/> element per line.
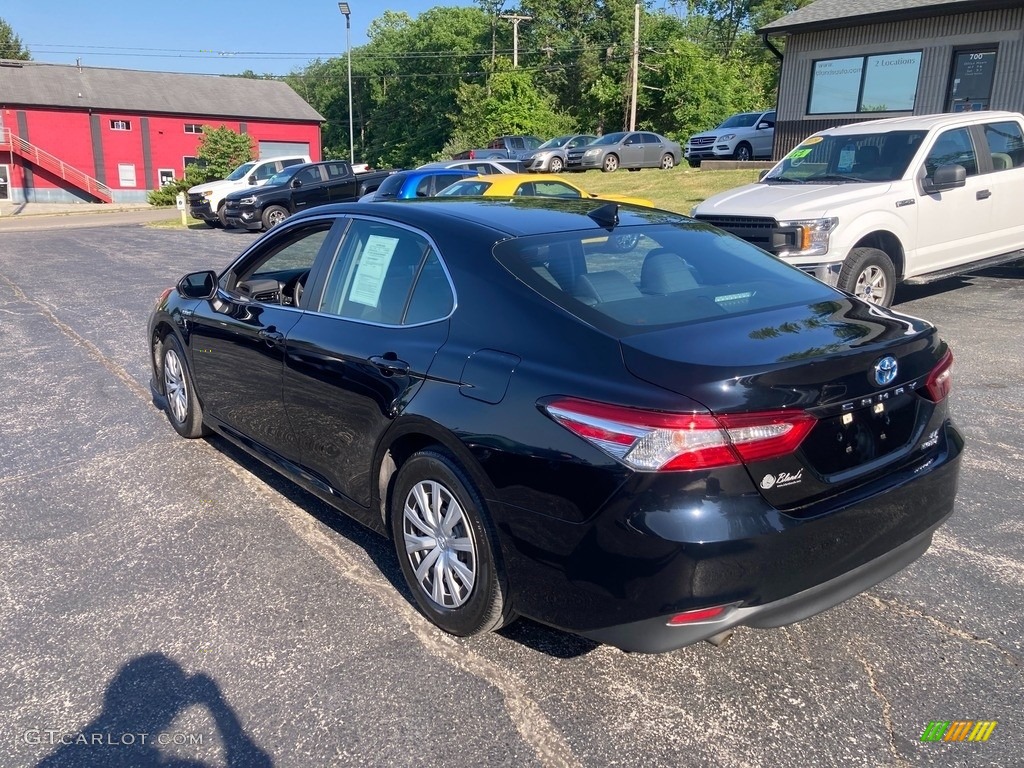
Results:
<point x="390" y="365"/>
<point x="983" y="194"/>
<point x="271" y="336"/>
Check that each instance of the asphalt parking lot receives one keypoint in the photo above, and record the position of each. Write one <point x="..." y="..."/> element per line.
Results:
<point x="177" y="593"/>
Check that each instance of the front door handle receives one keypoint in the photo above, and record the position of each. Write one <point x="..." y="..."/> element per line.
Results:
<point x="271" y="336"/>
<point x="983" y="194"/>
<point x="390" y="364"/>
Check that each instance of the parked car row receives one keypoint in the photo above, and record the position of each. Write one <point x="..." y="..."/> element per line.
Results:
<point x="580" y="152"/>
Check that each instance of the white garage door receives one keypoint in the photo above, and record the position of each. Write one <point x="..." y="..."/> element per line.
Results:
<point x="280" y="148"/>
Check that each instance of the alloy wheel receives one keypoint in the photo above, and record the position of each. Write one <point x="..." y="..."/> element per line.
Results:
<point x="871" y="285"/>
<point x="175" y="386"/>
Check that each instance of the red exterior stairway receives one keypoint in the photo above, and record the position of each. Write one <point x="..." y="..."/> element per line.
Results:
<point x="43" y="159"/>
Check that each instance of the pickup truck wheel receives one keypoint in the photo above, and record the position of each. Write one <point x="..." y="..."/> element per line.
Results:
<point x="668" y="162"/>
<point x="222" y="215"/>
<point x="611" y="163"/>
<point x="274" y="215"/>
<point x="743" y="152"/>
<point x="868" y="274"/>
<point x="693" y="163"/>
<point x="211" y="224"/>
<point x="556" y="165"/>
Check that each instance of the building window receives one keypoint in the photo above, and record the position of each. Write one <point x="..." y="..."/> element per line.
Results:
<point x="120" y="125"/>
<point x="193" y="128"/>
<point x="884" y="82"/>
<point x="165" y="176"/>
<point x="126" y="174"/>
<point x="970" y="85"/>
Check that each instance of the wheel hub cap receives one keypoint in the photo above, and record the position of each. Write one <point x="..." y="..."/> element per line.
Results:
<point x="439" y="544"/>
<point x="174" y="386"/>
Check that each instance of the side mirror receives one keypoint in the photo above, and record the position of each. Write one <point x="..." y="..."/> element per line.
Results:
<point x="949" y="176"/>
<point x="198" y="285"/>
<point x="296" y="183"/>
<point x="764" y="124"/>
<point x="252" y="178"/>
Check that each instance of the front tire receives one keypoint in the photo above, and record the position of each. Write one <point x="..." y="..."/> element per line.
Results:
<point x="556" y="165"/>
<point x="869" y="274"/>
<point x="668" y="162"/>
<point x="274" y="215"/>
<point x="182" y="407"/>
<point x="610" y="164"/>
<point x="743" y="152"/>
<point x="446" y="546"/>
<point x="222" y="216"/>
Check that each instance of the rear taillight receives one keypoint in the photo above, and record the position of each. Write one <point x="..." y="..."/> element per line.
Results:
<point x="472" y="155"/>
<point x="654" y="441"/>
<point x="940" y="380"/>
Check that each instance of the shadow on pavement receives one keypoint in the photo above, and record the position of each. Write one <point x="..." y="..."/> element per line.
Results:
<point x="139" y="707"/>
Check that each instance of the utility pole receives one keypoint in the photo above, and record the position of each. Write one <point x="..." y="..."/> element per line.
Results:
<point x="634" y="66"/>
<point x="515" y="19"/>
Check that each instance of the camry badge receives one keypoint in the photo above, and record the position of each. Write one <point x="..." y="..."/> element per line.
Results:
<point x="885" y="370"/>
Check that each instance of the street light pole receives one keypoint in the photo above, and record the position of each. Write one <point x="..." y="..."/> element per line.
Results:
<point x="346" y="11"/>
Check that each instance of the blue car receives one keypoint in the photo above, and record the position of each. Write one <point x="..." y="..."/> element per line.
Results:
<point x="423" y="182"/>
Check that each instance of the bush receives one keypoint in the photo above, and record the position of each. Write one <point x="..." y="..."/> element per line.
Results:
<point x="168" y="193"/>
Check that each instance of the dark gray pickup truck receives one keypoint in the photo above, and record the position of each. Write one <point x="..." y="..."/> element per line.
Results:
<point x="296" y="189"/>
<point x="503" y="147"/>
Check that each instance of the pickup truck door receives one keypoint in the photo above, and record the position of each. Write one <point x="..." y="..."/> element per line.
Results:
<point x="342" y="183"/>
<point x="955" y="225"/>
<point x="311" y="189"/>
<point x="1006" y="182"/>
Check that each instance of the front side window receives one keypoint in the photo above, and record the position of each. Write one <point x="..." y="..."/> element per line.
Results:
<point x="374" y="275"/>
<point x="954" y="146"/>
<point x="276" y="272"/>
<point x="467" y="187"/>
<point x="265" y="171"/>
<point x="1006" y="143"/>
<point x="880" y="83"/>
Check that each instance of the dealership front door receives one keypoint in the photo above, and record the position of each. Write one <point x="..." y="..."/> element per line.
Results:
<point x="5" y="180"/>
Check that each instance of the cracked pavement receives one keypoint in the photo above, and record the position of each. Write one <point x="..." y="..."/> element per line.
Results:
<point x="152" y="585"/>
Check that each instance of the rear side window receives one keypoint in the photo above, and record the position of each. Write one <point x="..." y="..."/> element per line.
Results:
<point x="1006" y="144"/>
<point x="464" y="188"/>
<point x="663" y="275"/>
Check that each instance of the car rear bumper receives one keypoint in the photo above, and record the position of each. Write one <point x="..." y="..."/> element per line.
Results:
<point x="665" y="545"/>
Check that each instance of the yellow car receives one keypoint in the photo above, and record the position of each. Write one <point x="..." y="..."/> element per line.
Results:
<point x="530" y="185"/>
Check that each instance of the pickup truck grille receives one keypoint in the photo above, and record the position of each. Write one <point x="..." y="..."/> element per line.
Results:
<point x="194" y="198"/>
<point x="702" y="141"/>
<point x="756" y="230"/>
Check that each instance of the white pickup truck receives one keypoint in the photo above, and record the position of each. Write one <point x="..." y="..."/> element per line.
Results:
<point x="206" y="201"/>
<point x="906" y="199"/>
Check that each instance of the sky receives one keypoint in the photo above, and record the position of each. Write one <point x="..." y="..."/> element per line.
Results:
<point x="204" y="36"/>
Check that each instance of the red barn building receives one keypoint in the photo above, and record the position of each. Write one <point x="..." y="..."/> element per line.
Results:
<point x="87" y="134"/>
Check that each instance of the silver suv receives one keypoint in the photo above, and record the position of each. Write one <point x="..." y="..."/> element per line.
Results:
<point x="747" y="136"/>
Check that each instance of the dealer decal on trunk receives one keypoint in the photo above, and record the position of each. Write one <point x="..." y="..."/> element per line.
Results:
<point x="781" y="480"/>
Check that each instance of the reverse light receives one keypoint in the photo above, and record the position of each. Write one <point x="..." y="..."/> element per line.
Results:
<point x="654" y="441"/>
<point x="697" y="615"/>
<point x="940" y="380"/>
<point x="812" y="236"/>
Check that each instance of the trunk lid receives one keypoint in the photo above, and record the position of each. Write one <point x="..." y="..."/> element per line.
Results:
<point x="824" y="358"/>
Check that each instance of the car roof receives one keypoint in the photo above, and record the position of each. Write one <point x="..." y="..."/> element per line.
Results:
<point x="518" y="217"/>
<point x="923" y="122"/>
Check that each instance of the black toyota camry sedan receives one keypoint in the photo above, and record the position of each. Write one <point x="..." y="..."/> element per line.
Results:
<point x="647" y="448"/>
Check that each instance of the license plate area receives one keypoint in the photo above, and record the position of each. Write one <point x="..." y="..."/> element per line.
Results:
<point x="850" y="440"/>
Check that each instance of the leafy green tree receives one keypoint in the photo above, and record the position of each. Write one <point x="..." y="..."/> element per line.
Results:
<point x="221" y="150"/>
<point x="10" y="44"/>
<point x="508" y="103"/>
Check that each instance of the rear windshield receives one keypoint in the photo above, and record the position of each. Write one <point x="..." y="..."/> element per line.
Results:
<point x="391" y="186"/>
<point x="468" y="187"/>
<point x="656" y="276"/>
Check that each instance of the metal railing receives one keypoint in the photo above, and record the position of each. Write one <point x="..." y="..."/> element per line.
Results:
<point x="55" y="165"/>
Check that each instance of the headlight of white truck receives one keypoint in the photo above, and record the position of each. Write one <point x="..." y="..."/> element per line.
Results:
<point x="812" y="236"/>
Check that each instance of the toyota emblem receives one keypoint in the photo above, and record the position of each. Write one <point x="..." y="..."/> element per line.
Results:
<point x="885" y="370"/>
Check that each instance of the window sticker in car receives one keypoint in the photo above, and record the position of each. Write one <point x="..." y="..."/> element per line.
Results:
<point x="373" y="265"/>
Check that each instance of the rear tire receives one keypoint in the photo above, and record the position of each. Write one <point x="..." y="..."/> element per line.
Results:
<point x="446" y="546"/>
<point x="182" y="407"/>
<point x="556" y="165"/>
<point x="610" y="164"/>
<point x="869" y="274"/>
<point x="274" y="215"/>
